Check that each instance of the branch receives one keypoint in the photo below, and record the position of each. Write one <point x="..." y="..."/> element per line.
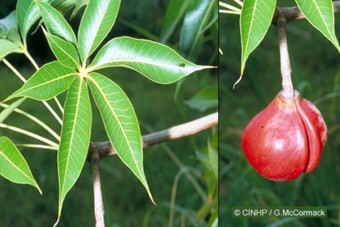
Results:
<point x="294" y="13"/>
<point x="190" y="128"/>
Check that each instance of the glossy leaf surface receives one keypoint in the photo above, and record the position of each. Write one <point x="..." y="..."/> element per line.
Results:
<point x="56" y="23"/>
<point x="96" y="23"/>
<point x="27" y="15"/>
<point x="155" y="61"/>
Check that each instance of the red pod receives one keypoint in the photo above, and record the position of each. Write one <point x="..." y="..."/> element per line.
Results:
<point x="285" y="139"/>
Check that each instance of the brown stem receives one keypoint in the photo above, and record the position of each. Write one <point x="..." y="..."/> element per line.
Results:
<point x="190" y="128"/>
<point x="98" y="199"/>
<point x="294" y="13"/>
<point x="287" y="86"/>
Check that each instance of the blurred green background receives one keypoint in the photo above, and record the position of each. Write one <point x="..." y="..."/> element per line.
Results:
<point x="316" y="74"/>
<point x="157" y="106"/>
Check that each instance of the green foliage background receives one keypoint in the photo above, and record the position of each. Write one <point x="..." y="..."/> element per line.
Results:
<point x="126" y="202"/>
<point x="316" y="73"/>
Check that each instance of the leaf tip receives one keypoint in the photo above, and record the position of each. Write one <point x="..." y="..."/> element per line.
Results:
<point x="57" y="222"/>
<point x="238" y="81"/>
<point x="39" y="189"/>
<point x="151" y="198"/>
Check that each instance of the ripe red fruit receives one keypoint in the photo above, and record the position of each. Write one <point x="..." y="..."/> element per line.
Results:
<point x="285" y="139"/>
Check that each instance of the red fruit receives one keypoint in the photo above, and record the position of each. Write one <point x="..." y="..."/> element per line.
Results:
<point x="285" y="139"/>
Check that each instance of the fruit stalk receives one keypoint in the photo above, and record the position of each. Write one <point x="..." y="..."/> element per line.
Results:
<point x="287" y="86"/>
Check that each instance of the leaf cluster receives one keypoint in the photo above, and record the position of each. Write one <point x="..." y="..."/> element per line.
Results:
<point x="78" y="58"/>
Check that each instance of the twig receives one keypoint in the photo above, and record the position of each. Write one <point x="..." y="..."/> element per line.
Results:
<point x="287" y="86"/>
<point x="100" y="150"/>
<point x="180" y="131"/>
<point x="105" y="148"/>
<point x="97" y="191"/>
<point x="294" y="13"/>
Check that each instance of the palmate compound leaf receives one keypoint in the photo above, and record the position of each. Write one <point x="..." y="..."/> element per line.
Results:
<point x="155" y="61"/>
<point x="75" y="137"/>
<point x="49" y="81"/>
<point x="321" y="15"/>
<point x="256" y="17"/>
<point x="120" y="122"/>
<point x="13" y="165"/>
<point x="95" y="24"/>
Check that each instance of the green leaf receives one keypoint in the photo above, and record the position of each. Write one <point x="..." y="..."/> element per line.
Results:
<point x="96" y="23"/>
<point x="49" y="81"/>
<point x="75" y="137"/>
<point x="56" y="23"/>
<point x="9" y="28"/>
<point x="156" y="61"/>
<point x="65" y="52"/>
<point x="27" y="15"/>
<point x="9" y="109"/>
<point x="14" y="36"/>
<point x="256" y="17"/>
<point x="7" y="47"/>
<point x="9" y="22"/>
<point x="321" y="15"/>
<point x="64" y="6"/>
<point x="120" y="122"/>
<point x="13" y="165"/>
<point x="205" y="99"/>
<point x="194" y="24"/>
<point x="78" y="5"/>
<point x="174" y="13"/>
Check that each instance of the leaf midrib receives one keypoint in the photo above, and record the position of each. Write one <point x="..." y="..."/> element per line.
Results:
<point x="250" y="27"/>
<point x="72" y="135"/>
<point x="96" y="33"/>
<point x="117" y="120"/>
<point x="67" y="54"/>
<point x="168" y="66"/>
<point x="323" y="19"/>
<point x="45" y="83"/>
<point x="66" y="35"/>
<point x="3" y="155"/>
